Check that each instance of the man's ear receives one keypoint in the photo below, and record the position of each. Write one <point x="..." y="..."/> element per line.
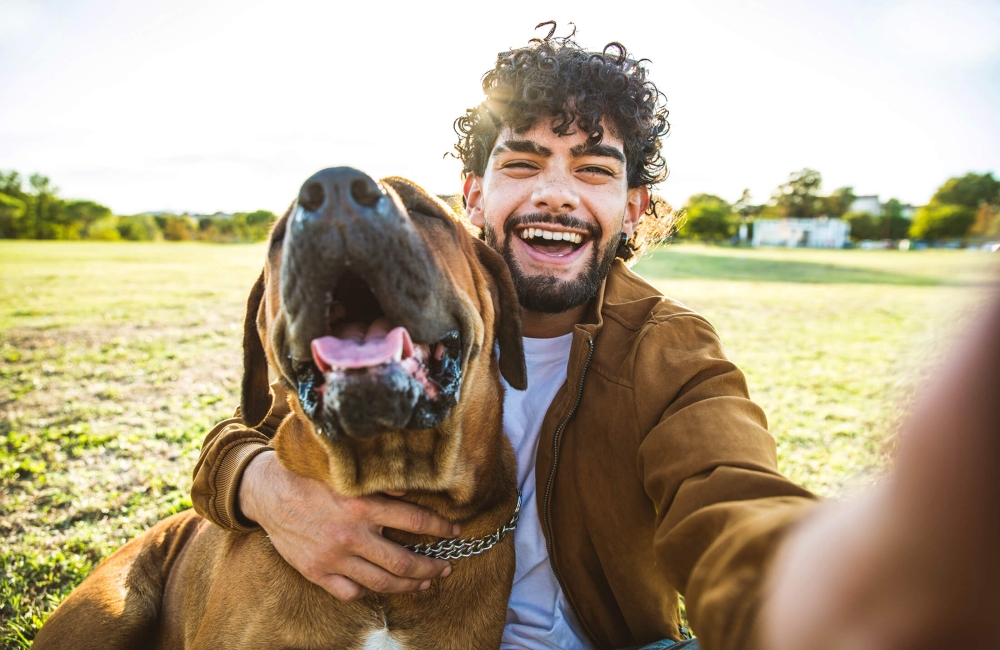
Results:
<point x="508" y="316"/>
<point x="255" y="399"/>
<point x="636" y="206"/>
<point x="472" y="190"/>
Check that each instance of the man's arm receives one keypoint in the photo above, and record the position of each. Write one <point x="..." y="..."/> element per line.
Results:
<point x="710" y="466"/>
<point x="915" y="562"/>
<point x="334" y="541"/>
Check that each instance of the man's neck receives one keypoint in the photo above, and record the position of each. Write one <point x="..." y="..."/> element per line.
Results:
<point x="546" y="326"/>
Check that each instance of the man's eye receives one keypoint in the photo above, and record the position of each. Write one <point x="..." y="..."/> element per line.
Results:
<point x="597" y="170"/>
<point x="518" y="164"/>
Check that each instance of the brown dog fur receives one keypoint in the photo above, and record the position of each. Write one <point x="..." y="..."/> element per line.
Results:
<point x="186" y="583"/>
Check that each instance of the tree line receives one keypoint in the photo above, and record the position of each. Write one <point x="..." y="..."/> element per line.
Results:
<point x="964" y="207"/>
<point x="33" y="209"/>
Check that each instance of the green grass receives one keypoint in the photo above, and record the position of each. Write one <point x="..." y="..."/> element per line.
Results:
<point x="833" y="343"/>
<point x="116" y="359"/>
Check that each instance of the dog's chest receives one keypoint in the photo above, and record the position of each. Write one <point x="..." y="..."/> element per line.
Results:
<point x="381" y="640"/>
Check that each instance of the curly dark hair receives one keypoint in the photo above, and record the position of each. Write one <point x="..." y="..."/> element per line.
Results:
<point x="555" y="78"/>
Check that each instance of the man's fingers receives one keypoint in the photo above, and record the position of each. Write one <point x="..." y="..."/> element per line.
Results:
<point x="379" y="580"/>
<point x="342" y="588"/>
<point x="403" y="563"/>
<point x="411" y="518"/>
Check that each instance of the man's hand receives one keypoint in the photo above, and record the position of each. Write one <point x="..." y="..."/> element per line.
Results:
<point x="915" y="563"/>
<point x="335" y="541"/>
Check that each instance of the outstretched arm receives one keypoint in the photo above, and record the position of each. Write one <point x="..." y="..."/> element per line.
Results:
<point x="915" y="563"/>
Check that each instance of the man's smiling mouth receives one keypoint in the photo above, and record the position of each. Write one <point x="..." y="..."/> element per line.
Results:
<point x="549" y="241"/>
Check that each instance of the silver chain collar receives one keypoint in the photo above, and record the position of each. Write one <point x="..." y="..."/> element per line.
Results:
<point x="454" y="549"/>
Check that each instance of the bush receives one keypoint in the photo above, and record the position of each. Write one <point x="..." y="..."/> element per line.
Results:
<point x="140" y="227"/>
<point x="868" y="226"/>
<point x="937" y="221"/>
<point x="104" y="229"/>
<point x="708" y="217"/>
<point x="863" y="226"/>
<point x="178" y="228"/>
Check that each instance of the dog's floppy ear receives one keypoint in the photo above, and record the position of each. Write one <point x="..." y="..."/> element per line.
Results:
<point x="255" y="400"/>
<point x="508" y="317"/>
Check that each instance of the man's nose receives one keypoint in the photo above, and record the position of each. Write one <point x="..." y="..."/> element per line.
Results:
<point x="555" y="193"/>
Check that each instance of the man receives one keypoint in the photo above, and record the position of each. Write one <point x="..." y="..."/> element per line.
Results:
<point x="646" y="470"/>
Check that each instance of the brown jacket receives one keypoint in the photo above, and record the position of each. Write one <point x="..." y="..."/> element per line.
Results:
<point x="656" y="475"/>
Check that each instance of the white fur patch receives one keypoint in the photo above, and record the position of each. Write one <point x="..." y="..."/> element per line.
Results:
<point x="381" y="640"/>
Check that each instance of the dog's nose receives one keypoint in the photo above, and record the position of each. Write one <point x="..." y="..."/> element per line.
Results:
<point x="341" y="183"/>
<point x="366" y="192"/>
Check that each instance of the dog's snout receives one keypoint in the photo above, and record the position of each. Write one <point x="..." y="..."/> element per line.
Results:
<point x="365" y="192"/>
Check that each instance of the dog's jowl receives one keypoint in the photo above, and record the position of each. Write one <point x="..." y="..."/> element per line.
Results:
<point x="379" y="315"/>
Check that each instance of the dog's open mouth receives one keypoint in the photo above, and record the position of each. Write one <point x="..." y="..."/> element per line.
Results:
<point x="369" y="376"/>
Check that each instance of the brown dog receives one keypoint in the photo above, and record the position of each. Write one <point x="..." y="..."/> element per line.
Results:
<point x="414" y="407"/>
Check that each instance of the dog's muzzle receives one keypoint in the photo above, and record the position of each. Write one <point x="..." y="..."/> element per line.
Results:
<point x="373" y="345"/>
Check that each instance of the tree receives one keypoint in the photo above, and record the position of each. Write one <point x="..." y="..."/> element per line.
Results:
<point x="178" y="228"/>
<point x="11" y="185"/>
<point x="708" y="217"/>
<point x="893" y="224"/>
<point x="937" y="221"/>
<point x="799" y="197"/>
<point x="838" y="203"/>
<point x="105" y="229"/>
<point x="140" y="227"/>
<point x="11" y="216"/>
<point x="45" y="208"/>
<point x="987" y="221"/>
<point x="745" y="208"/>
<point x="863" y="226"/>
<point x="971" y="191"/>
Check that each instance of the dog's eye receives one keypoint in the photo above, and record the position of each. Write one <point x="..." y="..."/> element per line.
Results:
<point x="276" y="242"/>
<point x="418" y="213"/>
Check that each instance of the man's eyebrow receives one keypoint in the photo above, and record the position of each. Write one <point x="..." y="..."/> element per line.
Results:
<point x="585" y="149"/>
<point x="522" y="146"/>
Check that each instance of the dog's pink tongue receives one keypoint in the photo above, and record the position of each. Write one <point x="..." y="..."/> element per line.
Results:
<point x="357" y="346"/>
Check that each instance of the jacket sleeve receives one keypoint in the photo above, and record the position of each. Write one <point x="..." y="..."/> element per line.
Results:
<point x="227" y="450"/>
<point x="710" y="466"/>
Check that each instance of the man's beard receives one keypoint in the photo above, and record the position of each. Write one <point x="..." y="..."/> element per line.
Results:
<point x="544" y="293"/>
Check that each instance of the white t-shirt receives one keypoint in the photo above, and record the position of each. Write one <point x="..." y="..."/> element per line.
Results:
<point x="538" y="615"/>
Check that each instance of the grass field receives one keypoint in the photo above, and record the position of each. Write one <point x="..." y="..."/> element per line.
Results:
<point x="115" y="360"/>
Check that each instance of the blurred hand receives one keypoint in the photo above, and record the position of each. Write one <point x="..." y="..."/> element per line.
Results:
<point x="915" y="563"/>
<point x="335" y="541"/>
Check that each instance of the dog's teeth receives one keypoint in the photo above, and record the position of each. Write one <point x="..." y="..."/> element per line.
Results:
<point x="546" y="234"/>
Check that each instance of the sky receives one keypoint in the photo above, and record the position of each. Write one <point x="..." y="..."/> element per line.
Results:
<point x="215" y="105"/>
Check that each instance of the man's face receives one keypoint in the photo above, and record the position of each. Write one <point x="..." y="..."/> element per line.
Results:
<point x="555" y="209"/>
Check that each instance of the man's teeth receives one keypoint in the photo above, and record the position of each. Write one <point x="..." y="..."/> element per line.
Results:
<point x="531" y="233"/>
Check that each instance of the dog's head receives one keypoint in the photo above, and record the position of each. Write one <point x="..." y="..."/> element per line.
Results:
<point x="379" y="312"/>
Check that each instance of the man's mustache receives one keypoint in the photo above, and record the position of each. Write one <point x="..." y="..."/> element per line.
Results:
<point x="565" y="220"/>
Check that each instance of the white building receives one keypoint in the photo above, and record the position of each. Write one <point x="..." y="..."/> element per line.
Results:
<point x="822" y="232"/>
<point x="870" y="205"/>
<point x="867" y="204"/>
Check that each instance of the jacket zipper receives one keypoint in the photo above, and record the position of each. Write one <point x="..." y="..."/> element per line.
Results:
<point x="552" y="476"/>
